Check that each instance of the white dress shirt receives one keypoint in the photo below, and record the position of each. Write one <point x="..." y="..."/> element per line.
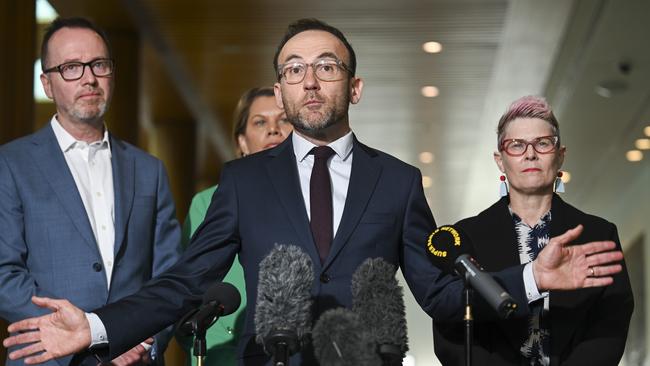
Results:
<point x="339" y="165"/>
<point x="90" y="165"/>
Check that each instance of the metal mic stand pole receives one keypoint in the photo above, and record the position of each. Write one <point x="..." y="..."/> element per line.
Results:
<point x="200" y="348"/>
<point x="468" y="319"/>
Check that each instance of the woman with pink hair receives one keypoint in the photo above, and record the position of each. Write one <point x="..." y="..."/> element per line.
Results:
<point x="586" y="327"/>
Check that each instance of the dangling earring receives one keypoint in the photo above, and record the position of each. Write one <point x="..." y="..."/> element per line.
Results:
<point x="559" y="184"/>
<point x="503" y="186"/>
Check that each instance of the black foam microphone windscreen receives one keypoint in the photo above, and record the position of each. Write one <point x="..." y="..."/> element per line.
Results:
<point x="340" y="339"/>
<point x="283" y="308"/>
<point x="378" y="299"/>
<point x="220" y="299"/>
<point x="224" y="294"/>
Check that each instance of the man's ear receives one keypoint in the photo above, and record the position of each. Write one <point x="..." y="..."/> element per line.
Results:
<point x="47" y="86"/>
<point x="356" y="88"/>
<point x="277" y="91"/>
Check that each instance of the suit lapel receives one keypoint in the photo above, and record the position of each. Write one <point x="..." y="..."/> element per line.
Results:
<point x="49" y="158"/>
<point x="562" y="303"/>
<point x="363" y="179"/>
<point x="498" y="253"/>
<point x="123" y="188"/>
<point x="283" y="172"/>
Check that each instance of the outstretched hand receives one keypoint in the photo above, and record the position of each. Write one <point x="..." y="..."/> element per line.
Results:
<point x="560" y="266"/>
<point x="63" y="332"/>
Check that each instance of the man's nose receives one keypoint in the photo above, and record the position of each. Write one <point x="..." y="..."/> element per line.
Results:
<point x="311" y="81"/>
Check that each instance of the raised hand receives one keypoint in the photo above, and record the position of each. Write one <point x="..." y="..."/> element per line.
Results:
<point x="560" y="266"/>
<point x="63" y="332"/>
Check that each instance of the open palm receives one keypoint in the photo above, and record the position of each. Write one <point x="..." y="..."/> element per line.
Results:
<point x="63" y="332"/>
<point x="560" y="266"/>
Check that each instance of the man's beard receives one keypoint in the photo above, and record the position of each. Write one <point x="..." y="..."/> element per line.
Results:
<point x="89" y="114"/>
<point x="317" y="124"/>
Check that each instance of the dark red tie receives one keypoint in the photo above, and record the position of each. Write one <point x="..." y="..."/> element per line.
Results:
<point x="320" y="199"/>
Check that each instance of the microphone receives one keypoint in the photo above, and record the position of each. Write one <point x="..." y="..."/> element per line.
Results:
<point x="378" y="300"/>
<point x="220" y="299"/>
<point x="283" y="309"/>
<point x="340" y="340"/>
<point x="448" y="248"/>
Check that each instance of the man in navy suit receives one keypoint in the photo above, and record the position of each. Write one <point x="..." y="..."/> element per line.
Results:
<point x="84" y="215"/>
<point x="374" y="207"/>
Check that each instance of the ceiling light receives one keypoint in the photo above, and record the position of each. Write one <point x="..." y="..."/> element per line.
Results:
<point x="634" y="155"/>
<point x="426" y="157"/>
<point x="646" y="130"/>
<point x="430" y="91"/>
<point x="431" y="47"/>
<point x="45" y="13"/>
<point x="642" y="144"/>
<point x="426" y="181"/>
<point x="610" y="88"/>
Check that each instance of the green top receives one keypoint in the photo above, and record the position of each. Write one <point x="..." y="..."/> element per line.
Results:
<point x="222" y="337"/>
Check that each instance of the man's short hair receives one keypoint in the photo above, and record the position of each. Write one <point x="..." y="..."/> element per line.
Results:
<point x="307" y="24"/>
<point x="72" y="22"/>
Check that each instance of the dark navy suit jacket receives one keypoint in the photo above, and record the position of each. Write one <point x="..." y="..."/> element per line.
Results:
<point x="258" y="204"/>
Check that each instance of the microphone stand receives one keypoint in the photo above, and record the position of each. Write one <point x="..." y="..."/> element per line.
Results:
<point x="468" y="319"/>
<point x="200" y="327"/>
<point x="282" y="343"/>
<point x="200" y="347"/>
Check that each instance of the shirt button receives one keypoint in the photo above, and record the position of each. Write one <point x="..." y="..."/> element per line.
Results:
<point x="97" y="267"/>
<point x="99" y="194"/>
<point x="324" y="278"/>
<point x="103" y="227"/>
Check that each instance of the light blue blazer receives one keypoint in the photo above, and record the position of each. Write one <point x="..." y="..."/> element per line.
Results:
<point x="47" y="247"/>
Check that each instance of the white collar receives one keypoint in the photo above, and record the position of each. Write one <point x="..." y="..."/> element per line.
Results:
<point x="341" y="146"/>
<point x="67" y="141"/>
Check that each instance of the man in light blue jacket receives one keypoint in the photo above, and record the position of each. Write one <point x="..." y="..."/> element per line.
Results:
<point x="83" y="215"/>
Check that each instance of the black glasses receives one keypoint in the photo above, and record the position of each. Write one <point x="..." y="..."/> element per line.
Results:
<point x="325" y="70"/>
<point x="518" y="147"/>
<point x="71" y="71"/>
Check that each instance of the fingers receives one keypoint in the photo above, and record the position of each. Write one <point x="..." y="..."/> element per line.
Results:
<point x="27" y="351"/>
<point x="23" y="325"/>
<point x="22" y="338"/>
<point x="134" y="356"/>
<point x="598" y="281"/>
<point x="596" y="247"/>
<point x="602" y="271"/>
<point x="604" y="257"/>
<point x="46" y="302"/>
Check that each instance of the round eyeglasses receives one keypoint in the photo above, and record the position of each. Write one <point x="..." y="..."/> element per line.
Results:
<point x="518" y="147"/>
<point x="325" y="70"/>
<point x="71" y="71"/>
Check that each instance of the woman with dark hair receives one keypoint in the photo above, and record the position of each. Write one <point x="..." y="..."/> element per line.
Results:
<point x="577" y="327"/>
<point x="258" y="124"/>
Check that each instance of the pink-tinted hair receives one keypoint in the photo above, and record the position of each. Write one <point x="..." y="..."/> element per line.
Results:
<point x="529" y="106"/>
